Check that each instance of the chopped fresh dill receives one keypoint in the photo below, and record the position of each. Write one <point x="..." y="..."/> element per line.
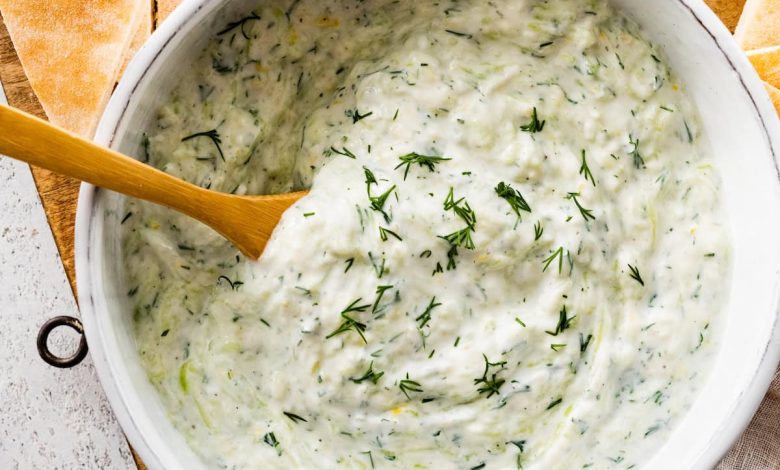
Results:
<point x="270" y="439"/>
<point x="520" y="322"/>
<point x="427" y="161"/>
<point x="634" y="274"/>
<point x="426" y="254"/>
<point x="564" y="322"/>
<point x="349" y="264"/>
<point x="356" y="116"/>
<point x="557" y="347"/>
<point x="459" y="34"/>
<point x="344" y="152"/>
<point x="234" y="285"/>
<point x="585" y="170"/>
<point x="308" y="214"/>
<point x="425" y="317"/>
<point x="535" y="125"/>
<point x="384" y="232"/>
<point x="213" y="135"/>
<point x="587" y="214"/>
<point x="490" y="383"/>
<point x="538" y="230"/>
<point x="452" y="256"/>
<point x="639" y="162"/>
<point x="516" y="200"/>
<point x="380" y="291"/>
<point x="407" y="385"/>
<point x="348" y="323"/>
<point x="378" y="202"/>
<point x="240" y="24"/>
<point x="294" y="417"/>
<point x="460" y="238"/>
<point x="554" y="403"/>
<point x="555" y="254"/>
<point x="463" y="211"/>
<point x="370" y="374"/>
<point x="584" y="342"/>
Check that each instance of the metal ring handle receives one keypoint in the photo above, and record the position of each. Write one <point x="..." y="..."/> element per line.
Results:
<point x="43" y="342"/>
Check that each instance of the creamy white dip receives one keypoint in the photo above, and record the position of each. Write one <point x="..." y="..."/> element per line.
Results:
<point x="513" y="254"/>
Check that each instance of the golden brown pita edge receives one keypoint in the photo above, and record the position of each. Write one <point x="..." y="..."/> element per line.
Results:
<point x="71" y="63"/>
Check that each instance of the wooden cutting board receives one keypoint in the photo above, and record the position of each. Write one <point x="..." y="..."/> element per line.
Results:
<point x="60" y="193"/>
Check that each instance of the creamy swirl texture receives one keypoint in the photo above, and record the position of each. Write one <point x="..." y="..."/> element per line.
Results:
<point x="513" y="253"/>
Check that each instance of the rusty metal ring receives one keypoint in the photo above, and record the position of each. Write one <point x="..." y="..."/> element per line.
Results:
<point x="43" y="342"/>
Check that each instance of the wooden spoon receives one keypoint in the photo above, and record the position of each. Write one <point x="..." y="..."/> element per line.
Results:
<point x="247" y="221"/>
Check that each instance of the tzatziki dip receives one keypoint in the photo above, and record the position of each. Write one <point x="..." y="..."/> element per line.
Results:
<point x="513" y="253"/>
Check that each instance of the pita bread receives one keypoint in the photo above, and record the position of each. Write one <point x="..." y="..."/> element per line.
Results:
<point x="759" y="25"/>
<point x="142" y="33"/>
<point x="165" y="8"/>
<point x="767" y="64"/>
<point x="774" y="93"/>
<point x="71" y="51"/>
<point x="729" y="11"/>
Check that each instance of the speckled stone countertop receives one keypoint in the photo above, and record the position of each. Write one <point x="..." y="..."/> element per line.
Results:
<point x="49" y="418"/>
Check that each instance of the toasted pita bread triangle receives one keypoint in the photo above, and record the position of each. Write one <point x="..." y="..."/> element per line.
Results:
<point x="71" y="51"/>
<point x="759" y="25"/>
<point x="142" y="33"/>
<point x="774" y="93"/>
<point x="165" y="8"/>
<point x="767" y="64"/>
<point x="728" y="11"/>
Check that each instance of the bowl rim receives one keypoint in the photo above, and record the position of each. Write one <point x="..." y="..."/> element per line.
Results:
<point x="154" y="49"/>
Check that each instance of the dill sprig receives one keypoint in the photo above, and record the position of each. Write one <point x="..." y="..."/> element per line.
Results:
<point x="555" y="254"/>
<point x="516" y="200"/>
<point x="535" y="125"/>
<point x="460" y="238"/>
<point x="380" y="291"/>
<point x="213" y="135"/>
<point x="270" y="439"/>
<point x="370" y="374"/>
<point x="639" y="162"/>
<point x="294" y="417"/>
<point x="584" y="342"/>
<point x="461" y="208"/>
<point x="587" y="214"/>
<point x="384" y="232"/>
<point x="585" y="170"/>
<point x="634" y="274"/>
<point x="490" y="383"/>
<point x="377" y="202"/>
<point x="407" y="385"/>
<point x="564" y="322"/>
<point x="348" y="323"/>
<point x="452" y="255"/>
<point x="425" y="317"/>
<point x="240" y="24"/>
<point x="344" y="152"/>
<point x="356" y="116"/>
<point x="370" y="179"/>
<point x="427" y="161"/>
<point x="538" y="230"/>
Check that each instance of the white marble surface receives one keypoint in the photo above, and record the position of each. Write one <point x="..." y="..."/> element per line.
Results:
<point x="49" y="418"/>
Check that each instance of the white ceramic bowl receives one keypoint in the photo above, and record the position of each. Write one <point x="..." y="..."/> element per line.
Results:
<point x="737" y="116"/>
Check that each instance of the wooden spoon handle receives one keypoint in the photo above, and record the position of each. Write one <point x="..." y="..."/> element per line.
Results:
<point x="32" y="140"/>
